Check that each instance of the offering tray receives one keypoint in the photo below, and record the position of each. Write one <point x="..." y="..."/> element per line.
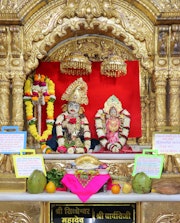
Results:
<point x="87" y="165"/>
<point x="87" y="162"/>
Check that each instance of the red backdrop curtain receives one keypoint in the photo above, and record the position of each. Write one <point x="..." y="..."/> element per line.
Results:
<point x="100" y="88"/>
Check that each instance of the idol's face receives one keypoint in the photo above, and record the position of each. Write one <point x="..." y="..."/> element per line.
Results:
<point x="73" y="108"/>
<point x="113" y="112"/>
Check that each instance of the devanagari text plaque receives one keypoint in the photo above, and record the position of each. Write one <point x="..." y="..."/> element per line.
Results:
<point x="166" y="143"/>
<point x="150" y="164"/>
<point x="12" y="140"/>
<point x="24" y="165"/>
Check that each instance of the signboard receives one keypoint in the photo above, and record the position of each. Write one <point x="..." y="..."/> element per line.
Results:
<point x="76" y="213"/>
<point x="150" y="164"/>
<point x="166" y="143"/>
<point x="12" y="140"/>
<point x="24" y="165"/>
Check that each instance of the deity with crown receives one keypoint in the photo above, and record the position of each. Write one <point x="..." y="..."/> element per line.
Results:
<point x="112" y="125"/>
<point x="72" y="126"/>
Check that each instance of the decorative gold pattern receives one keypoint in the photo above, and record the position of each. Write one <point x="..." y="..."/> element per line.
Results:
<point x="6" y="164"/>
<point x="145" y="30"/>
<point x="48" y="34"/>
<point x="158" y="212"/>
<point x="11" y="217"/>
<point x="4" y="98"/>
<point x="26" y="212"/>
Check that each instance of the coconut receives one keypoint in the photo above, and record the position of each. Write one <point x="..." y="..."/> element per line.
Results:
<point x="36" y="182"/>
<point x="141" y="183"/>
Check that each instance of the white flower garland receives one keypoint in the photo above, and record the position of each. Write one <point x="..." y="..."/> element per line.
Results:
<point x="123" y="131"/>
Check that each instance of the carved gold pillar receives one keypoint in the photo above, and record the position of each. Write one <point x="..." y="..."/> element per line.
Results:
<point x="174" y="79"/>
<point x="17" y="100"/>
<point x="161" y="75"/>
<point x="152" y="115"/>
<point x="16" y="67"/>
<point x="160" y="92"/>
<point x="144" y="109"/>
<point x="174" y="92"/>
<point x="4" y="99"/>
<point x="4" y="77"/>
<point x="142" y="140"/>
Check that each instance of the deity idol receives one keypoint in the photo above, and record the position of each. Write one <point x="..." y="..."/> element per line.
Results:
<point x="72" y="126"/>
<point x="112" y="125"/>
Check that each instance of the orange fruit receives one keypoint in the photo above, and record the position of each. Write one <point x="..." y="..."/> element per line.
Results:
<point x="50" y="187"/>
<point x="116" y="188"/>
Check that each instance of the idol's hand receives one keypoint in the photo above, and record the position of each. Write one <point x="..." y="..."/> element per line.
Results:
<point x="114" y="147"/>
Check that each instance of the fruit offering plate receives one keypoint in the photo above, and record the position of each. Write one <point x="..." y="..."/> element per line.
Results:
<point x="86" y="167"/>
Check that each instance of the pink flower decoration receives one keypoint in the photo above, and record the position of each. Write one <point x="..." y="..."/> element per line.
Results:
<point x="36" y="83"/>
<point x="35" y="93"/>
<point x="62" y="149"/>
<point x="46" y="94"/>
<point x="42" y="84"/>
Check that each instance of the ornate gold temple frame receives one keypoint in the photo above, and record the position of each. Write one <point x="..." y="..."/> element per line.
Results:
<point x="144" y="30"/>
<point x="45" y="31"/>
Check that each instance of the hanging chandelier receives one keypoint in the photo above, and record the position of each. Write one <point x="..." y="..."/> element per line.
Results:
<point x="76" y="64"/>
<point x="113" y="66"/>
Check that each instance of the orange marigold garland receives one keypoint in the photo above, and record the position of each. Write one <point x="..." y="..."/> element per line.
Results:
<point x="39" y="89"/>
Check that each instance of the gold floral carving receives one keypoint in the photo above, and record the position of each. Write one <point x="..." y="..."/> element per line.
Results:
<point x="6" y="164"/>
<point x="167" y="217"/>
<point x="17" y="95"/>
<point x="95" y="47"/>
<point x="167" y="74"/>
<point x="160" y="85"/>
<point x="167" y="6"/>
<point x="11" y="67"/>
<point x="26" y="212"/>
<point x="160" y="212"/>
<point x="4" y="98"/>
<point x="175" y="48"/>
<point x="3" y="42"/>
<point x="174" y="84"/>
<point x="10" y="217"/>
<point x="54" y="24"/>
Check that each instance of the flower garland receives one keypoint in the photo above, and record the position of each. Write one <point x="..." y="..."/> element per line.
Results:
<point x="123" y="130"/>
<point x="39" y="89"/>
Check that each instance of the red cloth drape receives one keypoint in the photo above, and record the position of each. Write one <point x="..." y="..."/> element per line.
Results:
<point x="100" y="88"/>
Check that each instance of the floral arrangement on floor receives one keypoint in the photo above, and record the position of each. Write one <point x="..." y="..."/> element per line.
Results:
<point x="40" y="90"/>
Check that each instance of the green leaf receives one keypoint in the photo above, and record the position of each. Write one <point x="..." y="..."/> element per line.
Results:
<point x="55" y="176"/>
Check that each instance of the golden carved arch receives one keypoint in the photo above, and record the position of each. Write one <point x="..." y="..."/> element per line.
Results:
<point x="51" y="33"/>
<point x="56" y="22"/>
